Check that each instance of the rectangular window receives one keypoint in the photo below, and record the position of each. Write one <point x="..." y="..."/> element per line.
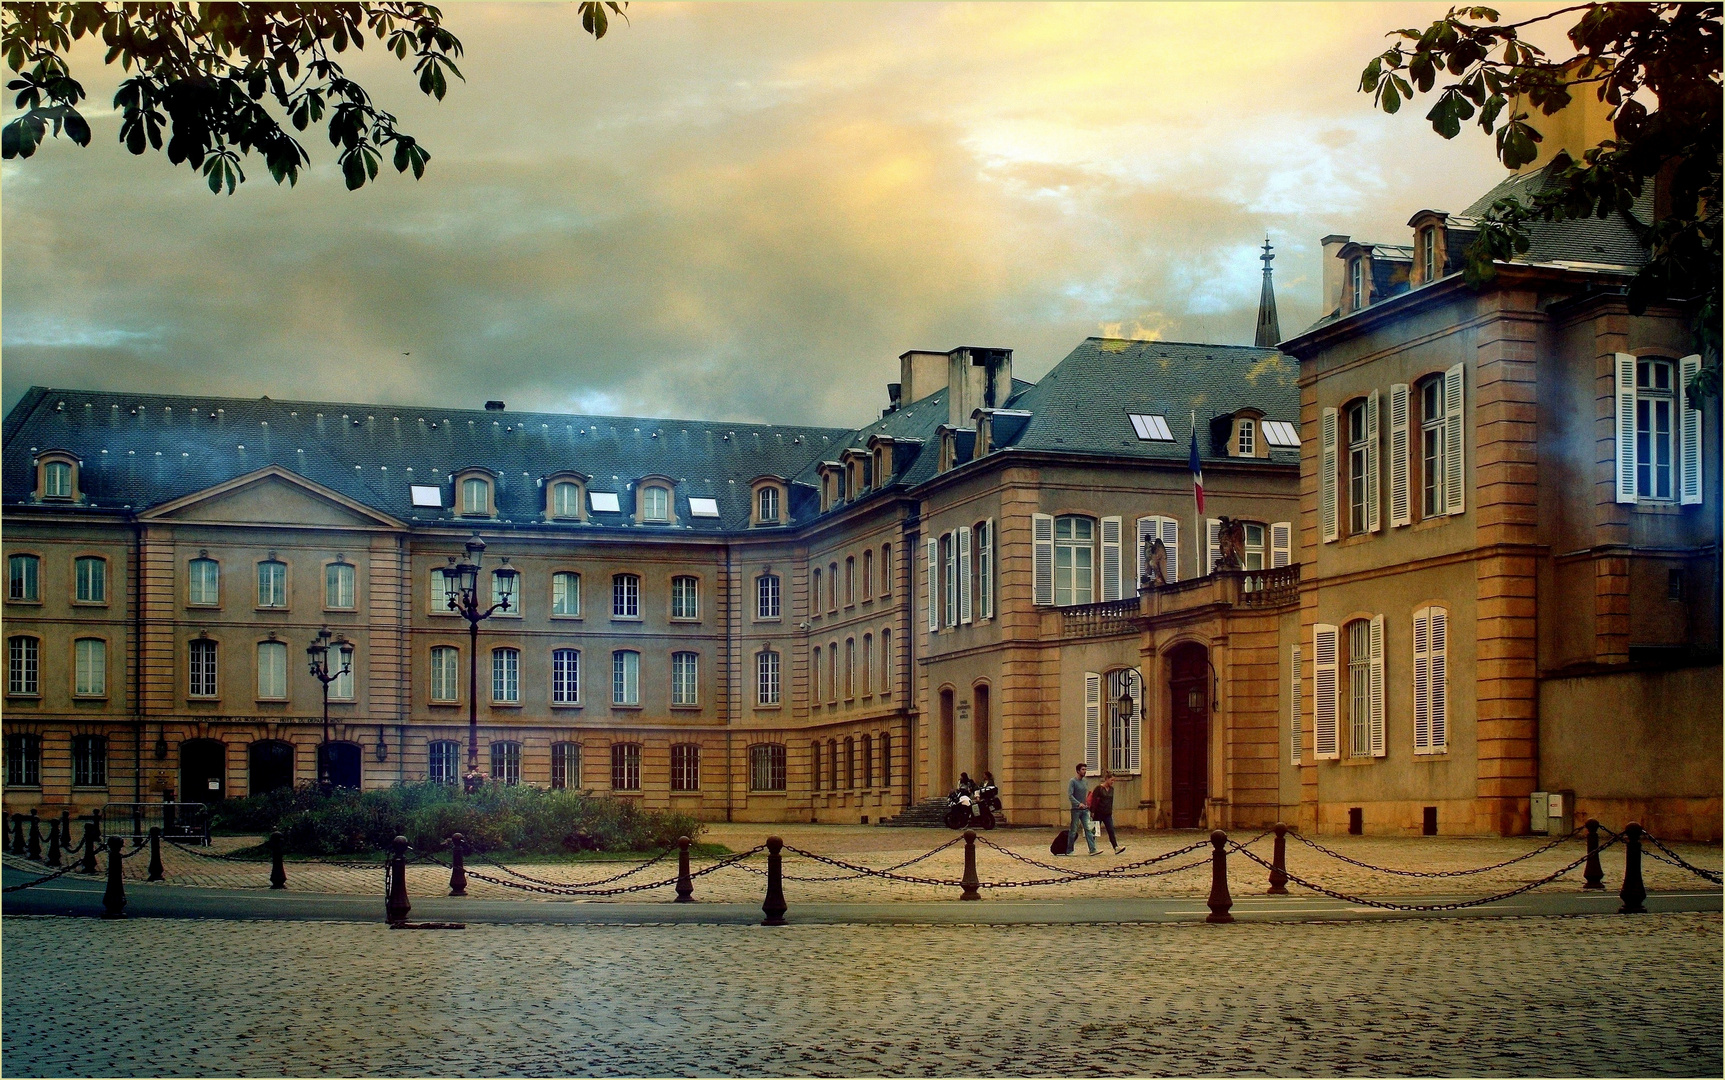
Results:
<point x="341" y="687"/>
<point x="506" y="762"/>
<point x="338" y="585"/>
<point x="767" y="503"/>
<point x="885" y="760"/>
<point x="1073" y="560"/>
<point x="92" y="580"/>
<point x="850" y="668"/>
<point x="832" y="673"/>
<point x="684" y="690"/>
<point x="565" y="593"/>
<point x="445" y="675"/>
<point x="89" y="761"/>
<point x="625" y="678"/>
<point x="25" y="578"/>
<point x="23" y="666"/>
<point x="815" y="594"/>
<point x="444" y="762"/>
<point x="1255" y="547"/>
<point x="565" y="677"/>
<point x="767" y="596"/>
<point x="23" y="761"/>
<point x="886" y="571"/>
<point x="985" y="569"/>
<point x="949" y="560"/>
<point x="565" y="500"/>
<point x="625" y="596"/>
<point x="832" y="587"/>
<point x="90" y="664"/>
<point x="1654" y="404"/>
<point x="506" y="676"/>
<point x="57" y="480"/>
<point x="565" y="765"/>
<point x="767" y="678"/>
<point x="850" y="580"/>
<point x="1431" y="448"/>
<point x="272" y="584"/>
<point x="868" y="665"/>
<point x="685" y="767"/>
<point x="868" y="575"/>
<point x="685" y="598"/>
<point x="1248" y="441"/>
<point x="202" y="671"/>
<point x="204" y="579"/>
<point x="886" y="663"/>
<point x="767" y="767"/>
<point x="815" y="678"/>
<point x="475" y="496"/>
<point x="272" y="670"/>
<point x="656" y="504"/>
<point x="1359" y="689"/>
<point x="1357" y="449"/>
<point x="626" y="766"/>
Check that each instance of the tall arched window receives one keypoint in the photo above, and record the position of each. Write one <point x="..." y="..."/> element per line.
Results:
<point x="867" y="665"/>
<point x="815" y="678"/>
<point x="767" y="506"/>
<point x="868" y="575"/>
<point x="1358" y="635"/>
<point x="565" y="677"/>
<point x="886" y="571"/>
<point x="867" y="762"/>
<point x="886" y="663"/>
<point x="815" y="765"/>
<point x="850" y="763"/>
<point x="850" y="668"/>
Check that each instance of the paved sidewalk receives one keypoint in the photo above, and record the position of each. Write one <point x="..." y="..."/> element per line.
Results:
<point x="879" y="848"/>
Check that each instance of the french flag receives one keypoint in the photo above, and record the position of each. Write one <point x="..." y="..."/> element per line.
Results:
<point x="1197" y="470"/>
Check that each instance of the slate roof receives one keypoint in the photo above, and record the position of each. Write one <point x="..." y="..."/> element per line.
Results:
<point x="1082" y="406"/>
<point x="141" y="450"/>
<point x="1610" y="241"/>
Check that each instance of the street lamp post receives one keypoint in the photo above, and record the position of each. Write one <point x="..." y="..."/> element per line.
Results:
<point x="318" y="652"/>
<point x="461" y="585"/>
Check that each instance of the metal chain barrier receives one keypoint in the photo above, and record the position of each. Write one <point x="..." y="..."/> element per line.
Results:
<point x="1332" y="853"/>
<point x="1453" y="906"/>
<point x="655" y="860"/>
<point x="577" y="890"/>
<point x="852" y="877"/>
<point x="62" y="872"/>
<point x="1675" y="859"/>
<point x="1125" y="870"/>
<point x="858" y="870"/>
<point x="1205" y="861"/>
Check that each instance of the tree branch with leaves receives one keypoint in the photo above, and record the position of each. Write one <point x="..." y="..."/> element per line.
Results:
<point x="213" y="83"/>
<point x="1657" y="65"/>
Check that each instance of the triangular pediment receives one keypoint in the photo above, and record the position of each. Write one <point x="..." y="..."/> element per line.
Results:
<point x="272" y="496"/>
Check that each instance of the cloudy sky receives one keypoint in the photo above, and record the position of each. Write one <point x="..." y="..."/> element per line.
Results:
<point x="739" y="211"/>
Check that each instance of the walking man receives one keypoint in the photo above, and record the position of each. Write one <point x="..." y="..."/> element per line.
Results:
<point x="1078" y="795"/>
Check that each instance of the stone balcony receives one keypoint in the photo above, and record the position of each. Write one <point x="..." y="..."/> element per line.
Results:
<point x="1221" y="589"/>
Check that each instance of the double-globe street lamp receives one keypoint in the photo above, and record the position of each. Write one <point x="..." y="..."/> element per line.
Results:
<point x="318" y="652"/>
<point x="461" y="586"/>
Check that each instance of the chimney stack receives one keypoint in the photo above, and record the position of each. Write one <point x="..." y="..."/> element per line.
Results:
<point x="494" y="406"/>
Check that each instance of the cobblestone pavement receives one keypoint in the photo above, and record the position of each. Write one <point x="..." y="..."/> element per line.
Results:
<point x="1589" y="996"/>
<point x="877" y="847"/>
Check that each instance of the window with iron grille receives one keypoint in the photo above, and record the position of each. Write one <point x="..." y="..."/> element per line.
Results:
<point x="89" y="761"/>
<point x="685" y="767"/>
<point x="767" y="767"/>
<point x="626" y="766"/>
<point x="565" y="765"/>
<point x="445" y="762"/>
<point x="506" y="762"/>
<point x="23" y="761"/>
<point x="23" y="665"/>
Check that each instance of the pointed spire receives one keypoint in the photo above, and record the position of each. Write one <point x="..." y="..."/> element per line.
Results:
<point x="1269" y="330"/>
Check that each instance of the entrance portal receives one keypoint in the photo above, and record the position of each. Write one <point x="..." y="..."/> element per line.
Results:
<point x="203" y="771"/>
<point x="343" y="767"/>
<point x="1189" y="690"/>
<point x="945" y="774"/>
<point x="271" y="766"/>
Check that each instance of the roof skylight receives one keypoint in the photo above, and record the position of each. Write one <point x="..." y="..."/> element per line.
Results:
<point x="1151" y="428"/>
<point x="427" y="495"/>
<point x="703" y="508"/>
<point x="604" y="502"/>
<point x="1280" y="433"/>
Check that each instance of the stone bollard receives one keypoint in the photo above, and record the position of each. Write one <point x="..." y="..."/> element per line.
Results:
<point x="1633" y="891"/>
<point x="278" y="872"/>
<point x="1593" y="875"/>
<point x="1279" y="863"/>
<point x="970" y="880"/>
<point x="114" y="898"/>
<point x="1220" y="902"/>
<point x="155" y="854"/>
<point x="457" y="867"/>
<point x="35" y="835"/>
<point x="53" y="843"/>
<point x="96" y="816"/>
<point x="17" y="834"/>
<point x="685" y="883"/>
<point x="395" y="905"/>
<point x="92" y="840"/>
<point x="775" y="903"/>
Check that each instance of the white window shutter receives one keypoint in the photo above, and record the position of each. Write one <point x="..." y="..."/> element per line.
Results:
<point x="1213" y="544"/>
<point x="1281" y="543"/>
<point x="1401" y="494"/>
<point x="1440" y="679"/>
<point x="1625" y="428"/>
<point x="1042" y="559"/>
<point x="1110" y="558"/>
<point x="985" y="578"/>
<point x="1134" y="733"/>
<point x="1093" y="720"/>
<point x="933" y="549"/>
<point x="1373" y="521"/>
<point x="1171" y="541"/>
<point x="1147" y="529"/>
<point x="1422" y="682"/>
<point x="1294" y="748"/>
<point x="1688" y="434"/>
<point x="1328" y="521"/>
<point x="1324" y="691"/>
<point x="1375" y="691"/>
<point x="1454" y="448"/>
<point x="964" y="580"/>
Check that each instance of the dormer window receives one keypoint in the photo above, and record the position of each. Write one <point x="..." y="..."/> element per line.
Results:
<point x="565" y="500"/>
<point x="1248" y="442"/>
<point x="57" y="476"/>
<point x="655" y="504"/>
<point x="476" y="496"/>
<point x="1357" y="284"/>
<point x="767" y="506"/>
<point x="1428" y="254"/>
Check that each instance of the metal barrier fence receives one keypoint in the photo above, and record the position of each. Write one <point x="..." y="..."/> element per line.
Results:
<point x="179" y="821"/>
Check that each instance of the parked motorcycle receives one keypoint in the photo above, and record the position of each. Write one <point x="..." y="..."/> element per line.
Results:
<point x="968" y="809"/>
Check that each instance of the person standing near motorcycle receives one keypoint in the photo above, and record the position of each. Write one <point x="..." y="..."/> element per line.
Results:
<point x="1102" y="808"/>
<point x="1078" y="794"/>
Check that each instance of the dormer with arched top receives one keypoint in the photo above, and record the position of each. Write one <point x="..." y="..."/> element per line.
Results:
<point x="769" y="501"/>
<point x="476" y="492"/>
<point x="57" y="476"/>
<point x="566" y="495"/>
<point x="655" y="500"/>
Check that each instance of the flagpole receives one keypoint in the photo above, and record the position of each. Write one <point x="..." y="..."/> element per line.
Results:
<point x="1200" y="542"/>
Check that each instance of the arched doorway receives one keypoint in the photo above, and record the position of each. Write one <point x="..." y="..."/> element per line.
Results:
<point x="945" y="775"/>
<point x="203" y="771"/>
<point x="269" y="766"/>
<point x="1189" y="694"/>
<point x="979" y="733"/>
<point x="343" y="768"/>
